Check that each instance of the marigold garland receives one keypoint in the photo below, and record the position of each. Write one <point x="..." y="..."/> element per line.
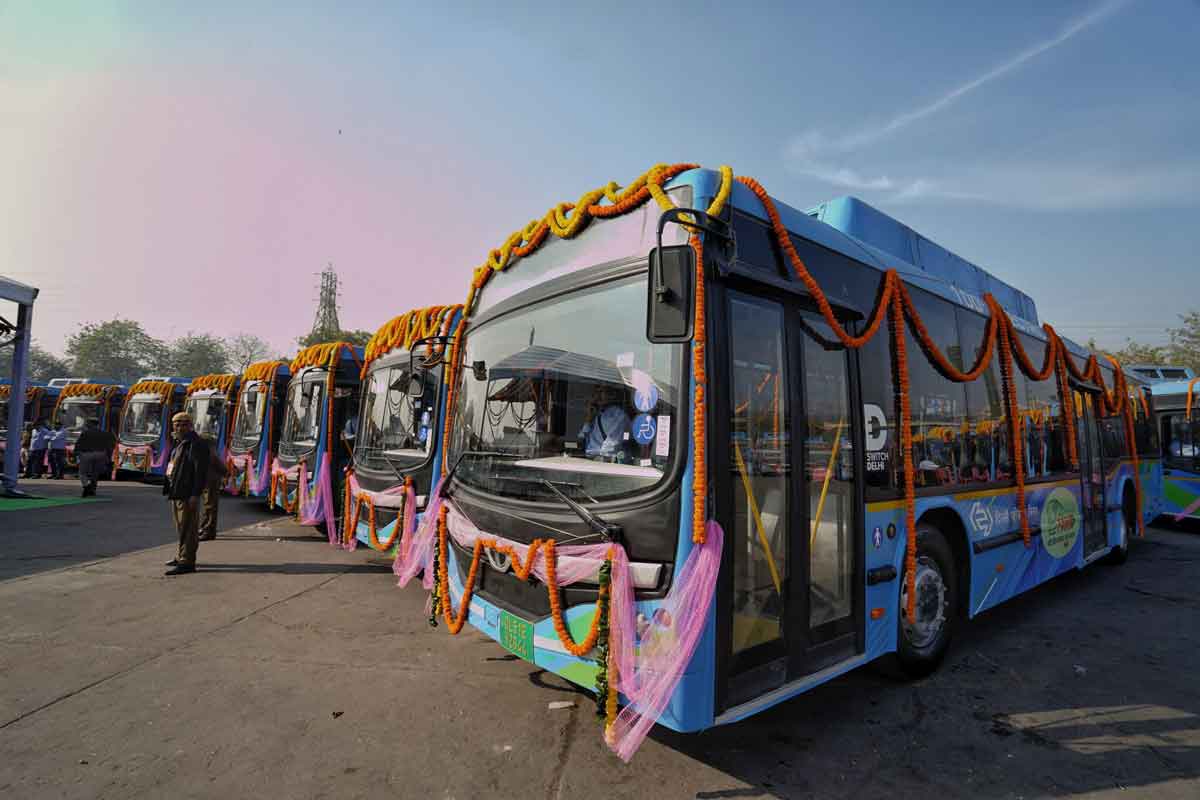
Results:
<point x="1188" y="408"/>
<point x="404" y="331"/>
<point x="223" y="382"/>
<point x="353" y="507"/>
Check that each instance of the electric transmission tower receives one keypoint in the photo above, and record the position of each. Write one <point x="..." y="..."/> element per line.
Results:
<point x="326" y="325"/>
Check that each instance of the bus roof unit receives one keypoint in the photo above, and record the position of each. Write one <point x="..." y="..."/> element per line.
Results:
<point x="876" y="229"/>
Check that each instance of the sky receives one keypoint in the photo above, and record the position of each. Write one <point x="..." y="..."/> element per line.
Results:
<point x="194" y="166"/>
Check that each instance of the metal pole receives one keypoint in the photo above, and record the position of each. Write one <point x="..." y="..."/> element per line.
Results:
<point x="16" y="398"/>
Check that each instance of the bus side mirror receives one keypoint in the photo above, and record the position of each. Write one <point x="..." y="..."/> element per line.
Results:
<point x="416" y="386"/>
<point x="671" y="294"/>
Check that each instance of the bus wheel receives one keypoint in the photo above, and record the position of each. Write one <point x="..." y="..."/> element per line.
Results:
<point x="1120" y="553"/>
<point x="922" y="643"/>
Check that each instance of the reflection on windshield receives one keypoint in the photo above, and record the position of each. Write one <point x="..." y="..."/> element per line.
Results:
<point x="75" y="412"/>
<point x="251" y="413"/>
<point x="302" y="424"/>
<point x="206" y="415"/>
<point x="143" y="421"/>
<point x="393" y="427"/>
<point x="569" y="391"/>
<point x="4" y="416"/>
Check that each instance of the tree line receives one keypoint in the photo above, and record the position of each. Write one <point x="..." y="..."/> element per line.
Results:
<point x="120" y="350"/>
<point x="1182" y="348"/>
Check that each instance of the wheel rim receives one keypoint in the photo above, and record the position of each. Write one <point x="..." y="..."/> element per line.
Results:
<point x="930" y="607"/>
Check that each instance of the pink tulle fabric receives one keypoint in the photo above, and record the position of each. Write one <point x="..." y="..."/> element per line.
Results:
<point x="397" y="497"/>
<point x="139" y="451"/>
<point x="415" y="553"/>
<point x="649" y="670"/>
<point x="256" y="481"/>
<point x="315" y="501"/>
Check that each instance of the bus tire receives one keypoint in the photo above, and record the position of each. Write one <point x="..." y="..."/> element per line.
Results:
<point x="920" y="647"/>
<point x="1120" y="554"/>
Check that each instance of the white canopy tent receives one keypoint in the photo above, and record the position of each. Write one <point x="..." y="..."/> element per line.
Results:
<point x="17" y="335"/>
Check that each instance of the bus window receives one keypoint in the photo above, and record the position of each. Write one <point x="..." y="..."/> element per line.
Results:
<point x="829" y="474"/>
<point x="761" y="466"/>
<point x="1179" y="441"/>
<point x="985" y="444"/>
<point x="1045" y="441"/>
<point x="1112" y="438"/>
<point x="938" y="404"/>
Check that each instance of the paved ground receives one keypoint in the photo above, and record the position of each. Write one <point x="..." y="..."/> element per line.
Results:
<point x="287" y="669"/>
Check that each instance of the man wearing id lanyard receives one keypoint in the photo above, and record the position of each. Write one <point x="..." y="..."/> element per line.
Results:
<point x="187" y="475"/>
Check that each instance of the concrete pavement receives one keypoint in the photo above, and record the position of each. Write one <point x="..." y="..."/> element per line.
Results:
<point x="285" y="668"/>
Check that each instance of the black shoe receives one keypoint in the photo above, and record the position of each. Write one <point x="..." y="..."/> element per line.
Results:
<point x="174" y="562"/>
<point x="208" y="537"/>
<point x="180" y="569"/>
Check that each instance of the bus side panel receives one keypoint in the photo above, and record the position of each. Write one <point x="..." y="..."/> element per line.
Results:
<point x="1181" y="494"/>
<point x="1152" y="489"/>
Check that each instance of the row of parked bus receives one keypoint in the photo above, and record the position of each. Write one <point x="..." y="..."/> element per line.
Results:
<point x="667" y="449"/>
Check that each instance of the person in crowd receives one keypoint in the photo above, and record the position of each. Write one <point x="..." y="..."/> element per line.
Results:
<point x="39" y="442"/>
<point x="58" y="451"/>
<point x="92" y="451"/>
<point x="212" y="494"/>
<point x="187" y="475"/>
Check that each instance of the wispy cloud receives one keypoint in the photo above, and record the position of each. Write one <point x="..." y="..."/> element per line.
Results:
<point x="815" y="153"/>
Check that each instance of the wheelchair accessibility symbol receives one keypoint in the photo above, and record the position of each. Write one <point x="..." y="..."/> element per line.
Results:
<point x="643" y="429"/>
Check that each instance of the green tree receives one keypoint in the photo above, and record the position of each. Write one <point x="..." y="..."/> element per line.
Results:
<point x="42" y="365"/>
<point x="195" y="354"/>
<point x="244" y="349"/>
<point x="358" y="337"/>
<point x="1184" y="349"/>
<point x="1138" y="353"/>
<point x="118" y="349"/>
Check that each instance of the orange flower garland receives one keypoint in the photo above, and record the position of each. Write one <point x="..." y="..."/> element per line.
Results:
<point x="404" y="331"/>
<point x="1188" y="409"/>
<point x="456" y="619"/>
<point x="224" y="382"/>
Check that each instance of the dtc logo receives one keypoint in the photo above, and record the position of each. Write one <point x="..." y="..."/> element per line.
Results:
<point x="1060" y="522"/>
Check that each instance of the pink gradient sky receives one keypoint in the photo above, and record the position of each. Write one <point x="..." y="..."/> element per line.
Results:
<point x="205" y="203"/>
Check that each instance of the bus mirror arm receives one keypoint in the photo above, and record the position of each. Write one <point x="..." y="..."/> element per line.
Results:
<point x="670" y="300"/>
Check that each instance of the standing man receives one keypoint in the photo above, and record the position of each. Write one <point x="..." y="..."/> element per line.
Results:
<point x="212" y="493"/>
<point x="39" y="440"/>
<point x="58" y="450"/>
<point x="187" y="474"/>
<point x="92" y="450"/>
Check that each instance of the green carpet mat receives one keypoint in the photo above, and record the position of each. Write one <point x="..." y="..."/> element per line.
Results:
<point x="29" y="503"/>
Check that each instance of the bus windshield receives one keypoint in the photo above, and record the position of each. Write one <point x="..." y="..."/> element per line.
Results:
<point x="143" y="422"/>
<point x="252" y="408"/>
<point x="395" y="428"/>
<point x="302" y="424"/>
<point x="4" y="416"/>
<point x="569" y="392"/>
<point x="206" y="414"/>
<point x="75" y="411"/>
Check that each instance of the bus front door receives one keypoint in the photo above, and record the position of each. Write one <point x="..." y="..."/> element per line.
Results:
<point x="1091" y="471"/>
<point x="792" y="594"/>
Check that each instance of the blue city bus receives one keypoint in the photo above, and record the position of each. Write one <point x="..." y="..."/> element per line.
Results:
<point x="258" y="421"/>
<point x="94" y="399"/>
<point x="40" y="399"/>
<point x="211" y="400"/>
<point x="574" y="410"/>
<point x="399" y="429"/>
<point x="1179" y="433"/>
<point x="144" y="441"/>
<point x="322" y="395"/>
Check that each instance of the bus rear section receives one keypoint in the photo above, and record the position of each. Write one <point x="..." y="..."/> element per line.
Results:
<point x="570" y="423"/>
<point x="1177" y="408"/>
<point x="397" y="444"/>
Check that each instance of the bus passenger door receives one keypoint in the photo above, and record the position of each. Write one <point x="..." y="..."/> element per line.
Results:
<point x="1091" y="471"/>
<point x="793" y="513"/>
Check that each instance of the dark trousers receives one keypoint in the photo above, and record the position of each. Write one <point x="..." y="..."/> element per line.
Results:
<point x="36" y="459"/>
<point x="187" y="522"/>
<point x="58" y="462"/>
<point x="91" y="467"/>
<point x="208" y="506"/>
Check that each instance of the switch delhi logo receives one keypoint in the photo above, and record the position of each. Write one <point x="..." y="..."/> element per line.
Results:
<point x="1060" y="522"/>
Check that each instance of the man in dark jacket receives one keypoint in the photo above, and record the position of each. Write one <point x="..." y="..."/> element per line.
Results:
<point x="92" y="450"/>
<point x="187" y="474"/>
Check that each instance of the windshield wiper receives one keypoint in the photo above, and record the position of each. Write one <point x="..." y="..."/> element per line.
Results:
<point x="608" y="530"/>
<point x="444" y="489"/>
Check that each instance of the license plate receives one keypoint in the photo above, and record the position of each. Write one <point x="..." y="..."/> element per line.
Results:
<point x="516" y="635"/>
